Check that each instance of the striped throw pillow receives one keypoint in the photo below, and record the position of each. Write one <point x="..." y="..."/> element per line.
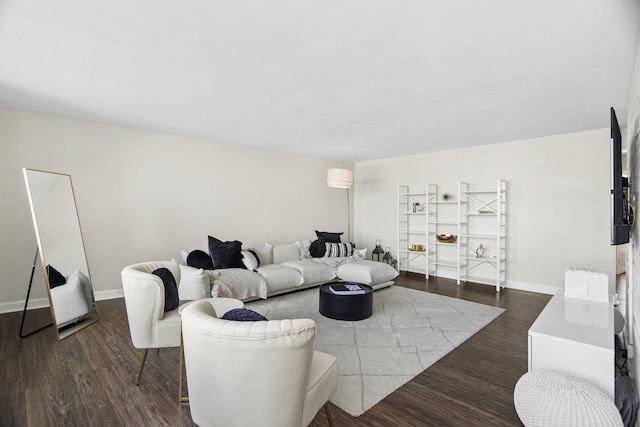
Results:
<point x="335" y="250"/>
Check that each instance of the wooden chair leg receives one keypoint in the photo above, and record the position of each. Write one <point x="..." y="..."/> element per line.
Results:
<point x="144" y="359"/>
<point x="326" y="409"/>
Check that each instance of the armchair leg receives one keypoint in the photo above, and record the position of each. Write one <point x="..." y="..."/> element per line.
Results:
<point x="144" y="359"/>
<point x="181" y="398"/>
<point x="326" y="409"/>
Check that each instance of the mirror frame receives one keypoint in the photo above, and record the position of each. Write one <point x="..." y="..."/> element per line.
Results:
<point x="92" y="316"/>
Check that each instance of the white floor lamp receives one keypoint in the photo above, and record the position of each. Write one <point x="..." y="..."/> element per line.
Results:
<point x="342" y="178"/>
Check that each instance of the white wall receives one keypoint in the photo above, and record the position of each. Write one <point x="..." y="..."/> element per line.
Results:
<point x="557" y="200"/>
<point x="144" y="196"/>
<point x="633" y="270"/>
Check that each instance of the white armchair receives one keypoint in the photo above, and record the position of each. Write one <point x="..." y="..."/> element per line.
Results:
<point x="254" y="373"/>
<point x="149" y="325"/>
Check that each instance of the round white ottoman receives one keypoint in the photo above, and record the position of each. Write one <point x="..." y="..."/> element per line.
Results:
<point x="550" y="398"/>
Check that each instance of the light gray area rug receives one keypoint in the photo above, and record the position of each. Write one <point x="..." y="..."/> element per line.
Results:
<point x="408" y="332"/>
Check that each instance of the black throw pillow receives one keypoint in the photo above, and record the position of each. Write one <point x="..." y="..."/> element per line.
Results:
<point x="225" y="254"/>
<point x="317" y="249"/>
<point x="243" y="315"/>
<point x="171" y="299"/>
<point x="55" y="277"/>
<point x="329" y="236"/>
<point x="200" y="259"/>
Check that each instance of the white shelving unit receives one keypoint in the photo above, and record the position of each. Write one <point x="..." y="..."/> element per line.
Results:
<point x="477" y="217"/>
<point x="443" y="259"/>
<point x="412" y="229"/>
<point x="483" y="233"/>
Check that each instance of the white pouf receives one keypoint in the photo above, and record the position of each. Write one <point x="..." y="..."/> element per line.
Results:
<point x="550" y="398"/>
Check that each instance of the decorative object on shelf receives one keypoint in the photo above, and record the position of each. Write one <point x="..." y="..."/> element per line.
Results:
<point x="387" y="258"/>
<point x="342" y="178"/>
<point x="377" y="251"/>
<point x="446" y="196"/>
<point x="417" y="207"/>
<point x="446" y="238"/>
<point x="480" y="251"/>
<point x="416" y="248"/>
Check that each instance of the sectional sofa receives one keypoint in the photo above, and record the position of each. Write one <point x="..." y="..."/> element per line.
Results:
<point x="276" y="269"/>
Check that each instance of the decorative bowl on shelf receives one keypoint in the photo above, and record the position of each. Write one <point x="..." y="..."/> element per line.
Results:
<point x="446" y="238"/>
<point x="416" y="248"/>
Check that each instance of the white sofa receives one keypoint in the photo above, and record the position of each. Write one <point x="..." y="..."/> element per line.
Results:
<point x="282" y="269"/>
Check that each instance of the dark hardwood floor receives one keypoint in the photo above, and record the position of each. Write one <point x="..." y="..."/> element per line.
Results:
<point x="88" y="379"/>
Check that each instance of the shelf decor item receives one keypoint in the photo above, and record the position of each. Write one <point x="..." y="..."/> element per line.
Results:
<point x="480" y="251"/>
<point x="377" y="251"/>
<point x="446" y="238"/>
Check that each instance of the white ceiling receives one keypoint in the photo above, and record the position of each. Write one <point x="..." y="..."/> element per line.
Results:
<point x="348" y="80"/>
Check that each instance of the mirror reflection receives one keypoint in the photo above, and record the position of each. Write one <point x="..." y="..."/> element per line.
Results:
<point x="62" y="252"/>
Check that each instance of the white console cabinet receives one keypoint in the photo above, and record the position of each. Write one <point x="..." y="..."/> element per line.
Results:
<point x="575" y="336"/>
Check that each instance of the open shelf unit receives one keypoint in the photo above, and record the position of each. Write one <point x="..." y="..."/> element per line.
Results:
<point x="477" y="217"/>
<point x="483" y="234"/>
<point x="413" y="214"/>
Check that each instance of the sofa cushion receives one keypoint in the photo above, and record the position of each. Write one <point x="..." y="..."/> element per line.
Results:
<point x="225" y="254"/>
<point x="367" y="272"/>
<point x="85" y="284"/>
<point x="284" y="253"/>
<point x="194" y="283"/>
<point x="265" y="254"/>
<point x="243" y="315"/>
<point x="250" y="259"/>
<point x="171" y="300"/>
<point x="317" y="249"/>
<point x="55" y="277"/>
<point x="329" y="236"/>
<point x="312" y="271"/>
<point x="279" y="277"/>
<point x="199" y="259"/>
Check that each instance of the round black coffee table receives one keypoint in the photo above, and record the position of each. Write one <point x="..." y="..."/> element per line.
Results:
<point x="346" y="307"/>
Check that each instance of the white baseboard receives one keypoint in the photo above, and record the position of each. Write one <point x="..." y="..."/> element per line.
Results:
<point x="10" y="307"/>
<point x="532" y="287"/>
<point x="513" y="284"/>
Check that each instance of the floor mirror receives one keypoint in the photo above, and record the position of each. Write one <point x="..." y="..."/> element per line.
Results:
<point x="61" y="251"/>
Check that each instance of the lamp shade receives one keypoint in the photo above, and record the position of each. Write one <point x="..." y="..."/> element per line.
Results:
<point x="339" y="178"/>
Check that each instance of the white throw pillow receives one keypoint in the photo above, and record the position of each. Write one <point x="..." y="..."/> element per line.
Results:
<point x="284" y="253"/>
<point x="194" y="283"/>
<point x="360" y="253"/>
<point x="249" y="260"/>
<point x="304" y="246"/>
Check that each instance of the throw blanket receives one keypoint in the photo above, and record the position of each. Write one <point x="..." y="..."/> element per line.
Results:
<point x="338" y="261"/>
<point x="237" y="283"/>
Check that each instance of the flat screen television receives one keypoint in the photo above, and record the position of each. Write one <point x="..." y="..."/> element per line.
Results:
<point x="621" y="212"/>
